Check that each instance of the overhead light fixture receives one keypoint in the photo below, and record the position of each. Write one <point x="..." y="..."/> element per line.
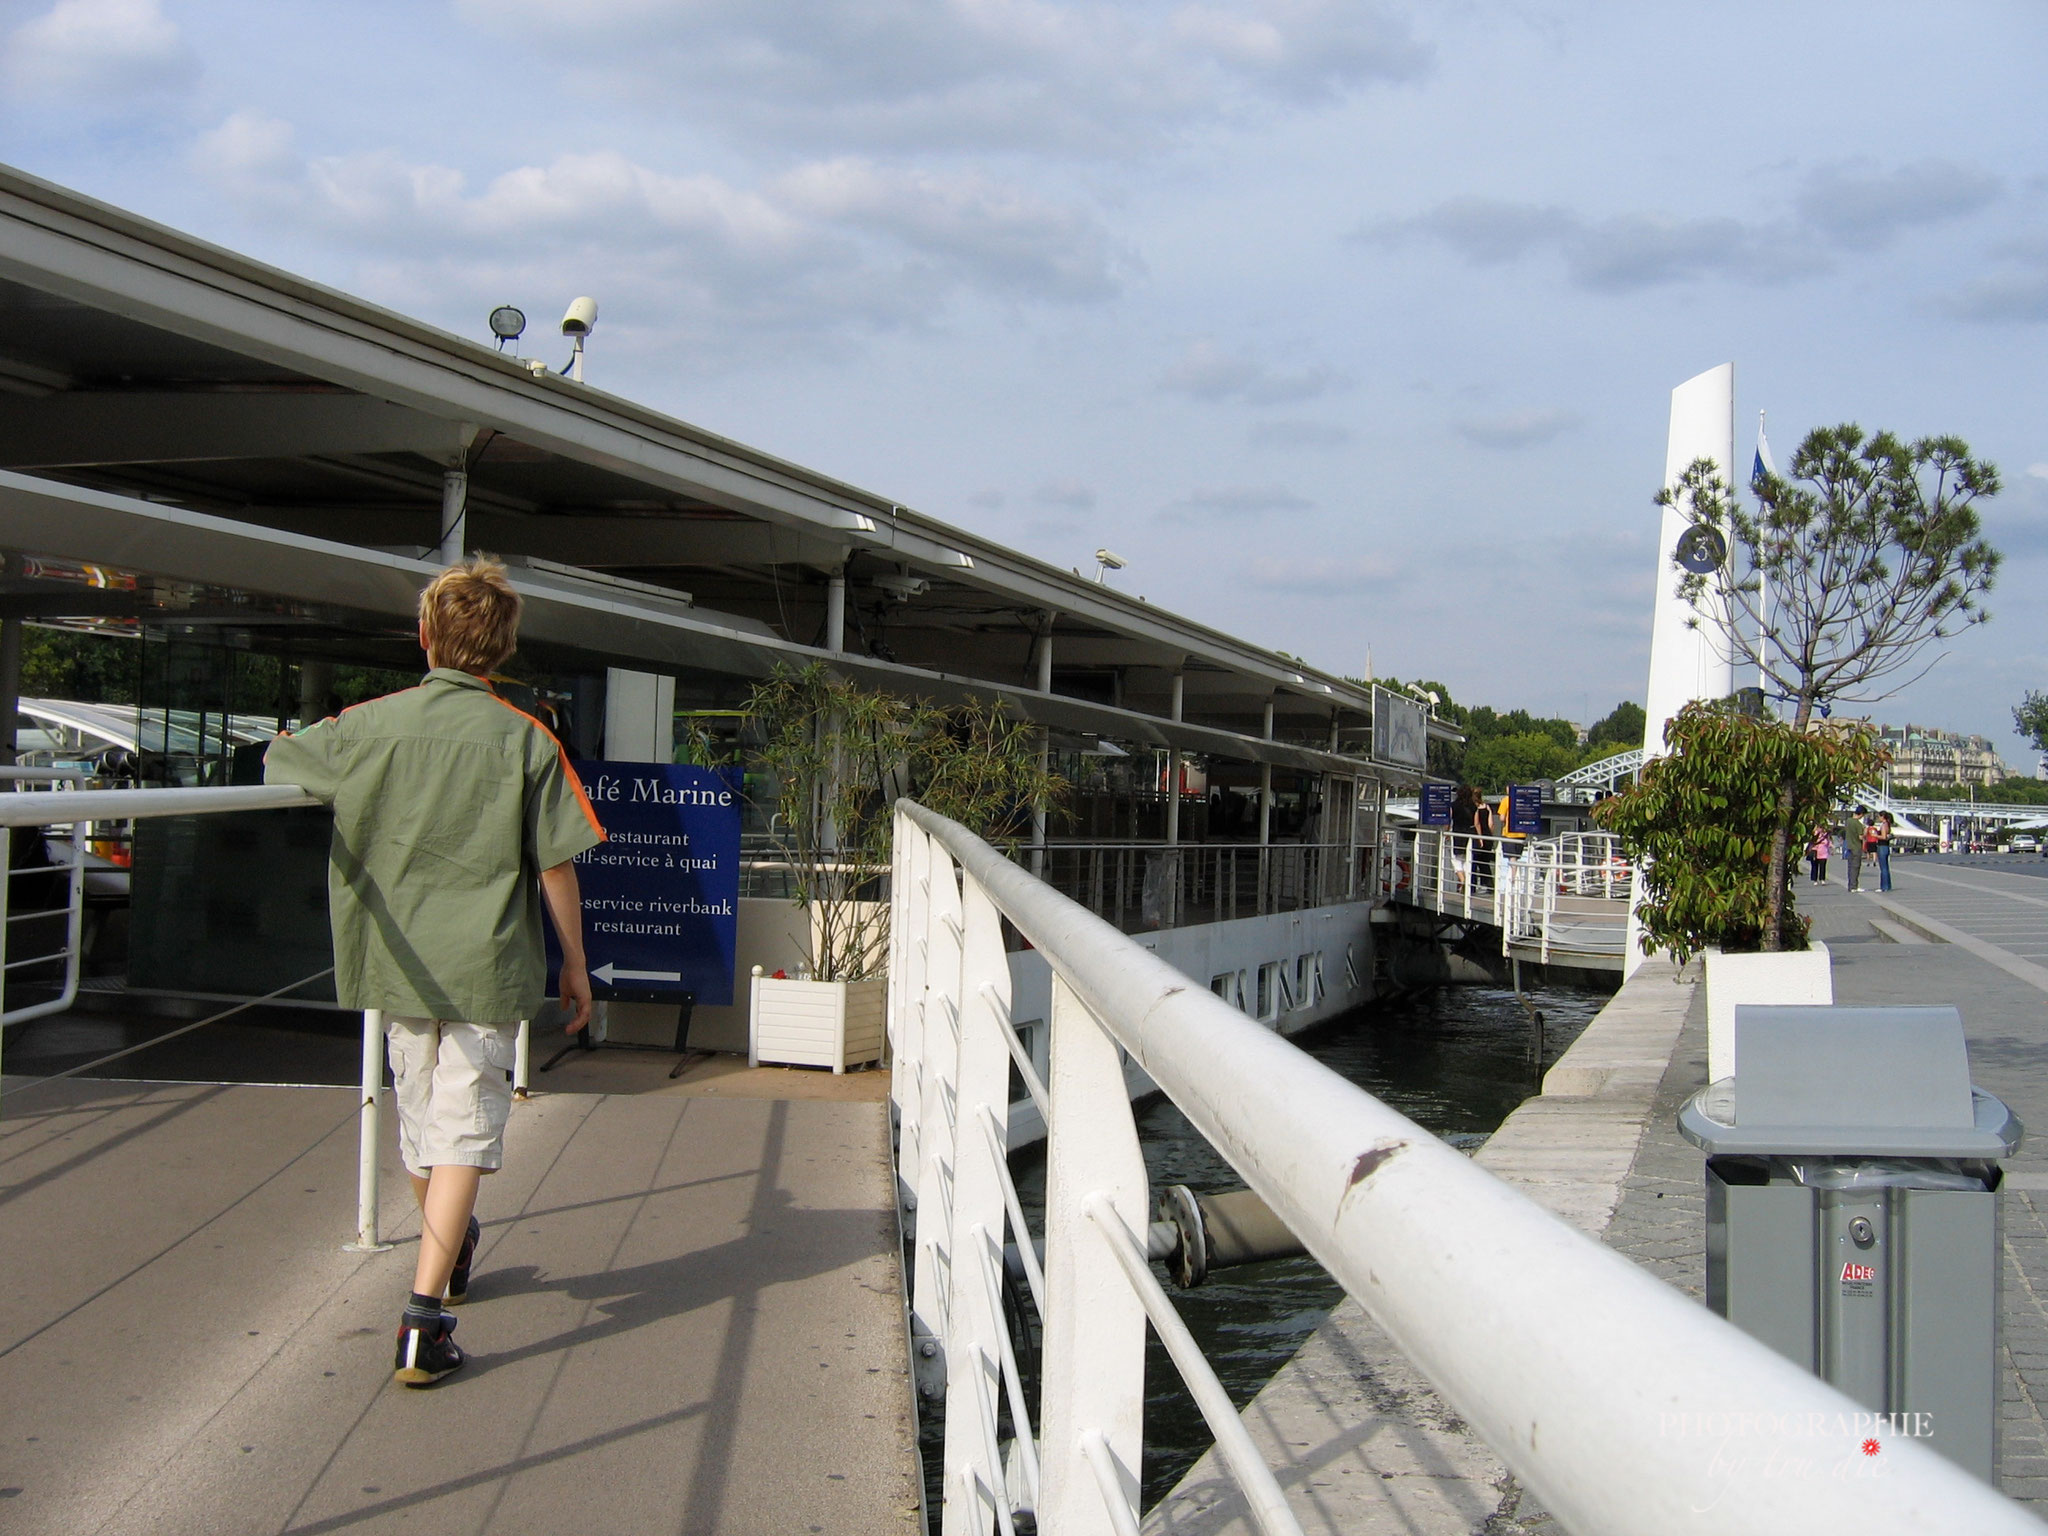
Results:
<point x="508" y="323"/>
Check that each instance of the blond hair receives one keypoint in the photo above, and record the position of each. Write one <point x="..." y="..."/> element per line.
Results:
<point x="469" y="616"/>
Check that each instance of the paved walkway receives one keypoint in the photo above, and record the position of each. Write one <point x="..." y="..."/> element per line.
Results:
<point x="687" y="1317"/>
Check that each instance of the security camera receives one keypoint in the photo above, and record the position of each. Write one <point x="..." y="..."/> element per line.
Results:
<point x="581" y="319"/>
<point x="902" y="587"/>
<point x="1109" y="561"/>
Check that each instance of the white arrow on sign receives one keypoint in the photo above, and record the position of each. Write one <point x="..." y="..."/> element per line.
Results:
<point x="609" y="973"/>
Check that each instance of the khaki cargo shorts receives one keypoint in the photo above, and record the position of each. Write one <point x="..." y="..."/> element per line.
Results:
<point x="454" y="1091"/>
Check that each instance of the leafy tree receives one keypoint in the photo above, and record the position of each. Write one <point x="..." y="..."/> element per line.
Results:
<point x="2030" y="718"/>
<point x="839" y="756"/>
<point x="1702" y="822"/>
<point x="90" y="669"/>
<point x="1620" y="731"/>
<point x="1498" y="761"/>
<point x="1846" y="571"/>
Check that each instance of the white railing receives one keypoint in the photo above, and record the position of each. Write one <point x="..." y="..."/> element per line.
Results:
<point x="1624" y="1405"/>
<point x="1566" y="898"/>
<point x="50" y="935"/>
<point x="1455" y="873"/>
<point x="1156" y="885"/>
<point x="133" y="804"/>
<point x="1563" y="898"/>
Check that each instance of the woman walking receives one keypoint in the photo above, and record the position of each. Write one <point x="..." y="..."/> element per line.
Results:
<point x="1817" y="857"/>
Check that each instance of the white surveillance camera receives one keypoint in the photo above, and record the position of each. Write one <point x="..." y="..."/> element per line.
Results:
<point x="581" y="319"/>
<point x="1109" y="561"/>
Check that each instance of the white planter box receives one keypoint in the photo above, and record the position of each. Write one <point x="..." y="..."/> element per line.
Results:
<point x="836" y="1024"/>
<point x="1801" y="976"/>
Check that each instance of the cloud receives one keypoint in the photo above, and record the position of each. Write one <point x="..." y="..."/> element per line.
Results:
<point x="992" y="234"/>
<point x="1860" y="208"/>
<point x="1518" y="429"/>
<point x="823" y="248"/>
<point x="2038" y="471"/>
<point x="1206" y="372"/>
<point x="1288" y="433"/>
<point x="1088" y="77"/>
<point x="1065" y="493"/>
<point x="993" y="501"/>
<point x="96" y="50"/>
<point x="1317" y="576"/>
<point x="1850" y="207"/>
<point x="2018" y="293"/>
<point x="1233" y="503"/>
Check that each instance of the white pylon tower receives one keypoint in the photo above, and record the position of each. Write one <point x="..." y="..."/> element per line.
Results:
<point x="1690" y="657"/>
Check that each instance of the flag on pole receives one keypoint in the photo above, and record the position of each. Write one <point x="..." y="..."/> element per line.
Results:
<point x="1763" y="464"/>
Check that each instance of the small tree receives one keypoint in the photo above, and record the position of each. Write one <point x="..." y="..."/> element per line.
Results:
<point x="840" y="755"/>
<point x="1842" y="576"/>
<point x="1702" y="820"/>
<point x="2030" y="719"/>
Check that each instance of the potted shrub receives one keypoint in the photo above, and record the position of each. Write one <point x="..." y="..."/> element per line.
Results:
<point x="837" y="757"/>
<point x="1700" y="824"/>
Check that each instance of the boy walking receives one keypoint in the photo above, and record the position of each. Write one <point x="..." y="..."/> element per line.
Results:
<point x="455" y="815"/>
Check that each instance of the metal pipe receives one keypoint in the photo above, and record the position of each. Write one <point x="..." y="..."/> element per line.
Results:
<point x="1044" y="681"/>
<point x="370" y="1133"/>
<point x="454" y="515"/>
<point x="1261" y="1491"/>
<point x="1599" y="1385"/>
<point x="835" y="611"/>
<point x="10" y="665"/>
<point x="133" y="804"/>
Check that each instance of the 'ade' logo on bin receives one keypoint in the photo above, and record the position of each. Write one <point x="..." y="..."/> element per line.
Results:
<point x="1857" y="1272"/>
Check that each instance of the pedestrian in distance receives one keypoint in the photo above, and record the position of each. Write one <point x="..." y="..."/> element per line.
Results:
<point x="1881" y="845"/>
<point x="1854" y="831"/>
<point x="456" y="816"/>
<point x="1817" y="856"/>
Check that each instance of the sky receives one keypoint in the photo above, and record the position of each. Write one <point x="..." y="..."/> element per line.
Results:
<point x="1351" y="327"/>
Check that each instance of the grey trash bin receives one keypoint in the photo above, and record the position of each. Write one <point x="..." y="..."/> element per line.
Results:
<point x="1852" y="1210"/>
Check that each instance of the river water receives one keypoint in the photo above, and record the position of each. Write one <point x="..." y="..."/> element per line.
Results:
<point x="1457" y="1061"/>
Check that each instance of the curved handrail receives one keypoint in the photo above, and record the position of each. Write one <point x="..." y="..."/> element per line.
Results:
<point x="1608" y="1392"/>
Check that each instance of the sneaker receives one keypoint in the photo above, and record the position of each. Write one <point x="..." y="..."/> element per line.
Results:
<point x="458" y="1282"/>
<point x="426" y="1354"/>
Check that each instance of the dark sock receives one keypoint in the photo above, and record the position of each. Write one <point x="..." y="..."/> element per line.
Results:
<point x="422" y="1309"/>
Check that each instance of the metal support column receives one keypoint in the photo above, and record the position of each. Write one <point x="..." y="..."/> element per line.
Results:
<point x="1169" y="906"/>
<point x="1043" y="680"/>
<point x="10" y="667"/>
<point x="454" y="515"/>
<point x="1265" y="813"/>
<point x="835" y="612"/>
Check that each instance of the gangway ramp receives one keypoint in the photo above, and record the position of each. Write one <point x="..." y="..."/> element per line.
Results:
<point x="687" y="1317"/>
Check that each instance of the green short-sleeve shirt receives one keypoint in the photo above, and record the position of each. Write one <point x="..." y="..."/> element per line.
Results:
<point x="448" y="802"/>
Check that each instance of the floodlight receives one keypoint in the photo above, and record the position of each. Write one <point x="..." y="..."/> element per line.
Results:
<point x="508" y="323"/>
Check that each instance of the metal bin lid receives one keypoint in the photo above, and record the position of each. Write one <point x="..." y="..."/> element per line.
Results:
<point x="1833" y="1081"/>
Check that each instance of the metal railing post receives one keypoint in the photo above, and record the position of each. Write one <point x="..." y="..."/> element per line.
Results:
<point x="974" y="1333"/>
<point x="522" y="1060"/>
<point x="1093" y="1357"/>
<point x="938" y="1123"/>
<point x="909" y="920"/>
<point x="370" y="1130"/>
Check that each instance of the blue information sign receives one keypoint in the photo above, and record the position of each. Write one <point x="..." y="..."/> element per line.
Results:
<point x="1525" y="809"/>
<point x="1436" y="805"/>
<point x="661" y="894"/>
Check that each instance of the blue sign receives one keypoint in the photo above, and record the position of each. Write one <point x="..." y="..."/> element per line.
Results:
<point x="661" y="894"/>
<point x="1436" y="805"/>
<point x="1525" y="809"/>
